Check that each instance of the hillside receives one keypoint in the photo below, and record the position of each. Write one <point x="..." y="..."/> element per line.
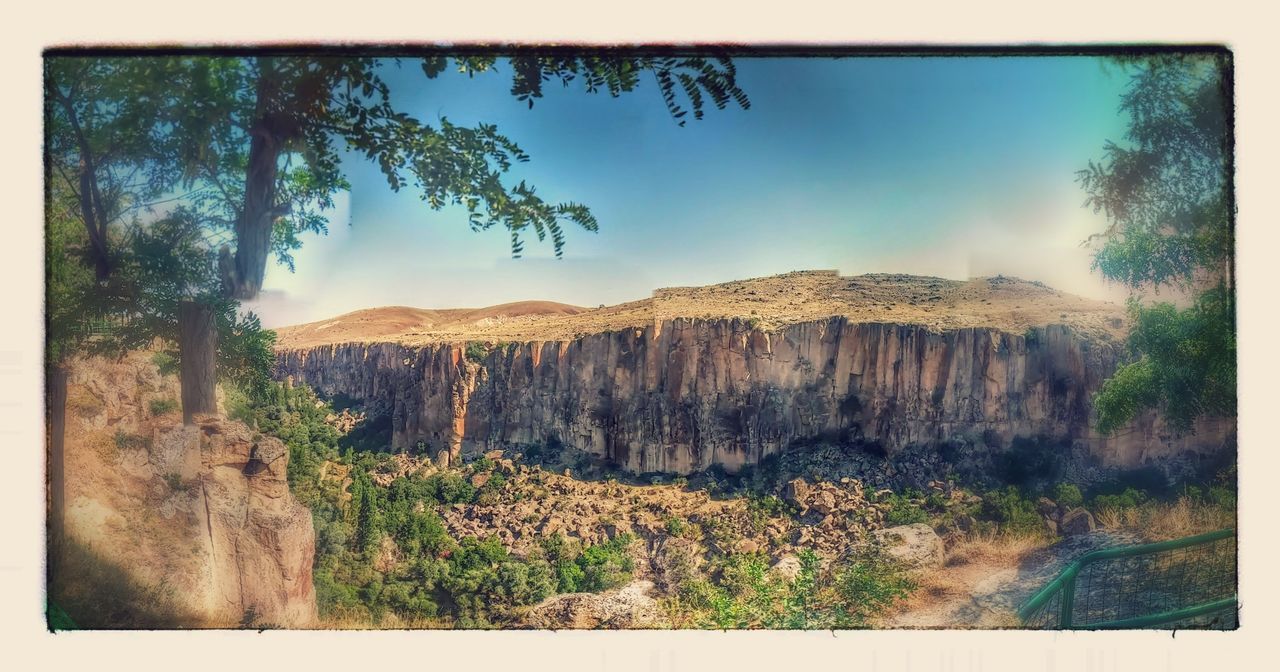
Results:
<point x="1006" y="304"/>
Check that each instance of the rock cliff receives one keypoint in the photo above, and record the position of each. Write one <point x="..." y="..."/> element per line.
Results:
<point x="198" y="519"/>
<point x="898" y="364"/>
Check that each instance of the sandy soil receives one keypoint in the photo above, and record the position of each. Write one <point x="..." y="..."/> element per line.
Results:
<point x="1001" y="302"/>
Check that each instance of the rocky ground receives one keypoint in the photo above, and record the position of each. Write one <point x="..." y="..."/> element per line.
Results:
<point x="1005" y="303"/>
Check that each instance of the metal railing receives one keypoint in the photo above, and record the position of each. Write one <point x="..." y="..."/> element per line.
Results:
<point x="1183" y="583"/>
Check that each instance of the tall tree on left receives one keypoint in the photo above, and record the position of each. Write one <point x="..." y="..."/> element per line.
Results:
<point x="119" y="265"/>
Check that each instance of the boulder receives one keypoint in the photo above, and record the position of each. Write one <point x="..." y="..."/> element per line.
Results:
<point x="916" y="546"/>
<point x="1077" y="521"/>
<point x="824" y="502"/>
<point x="787" y="566"/>
<point x="796" y="492"/>
<point x="627" y="607"/>
<point x="1047" y="507"/>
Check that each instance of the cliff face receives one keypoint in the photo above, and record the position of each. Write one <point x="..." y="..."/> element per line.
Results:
<point x="199" y="518"/>
<point x="682" y="395"/>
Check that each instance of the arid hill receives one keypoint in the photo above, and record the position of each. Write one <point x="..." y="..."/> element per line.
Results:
<point x="1002" y="303"/>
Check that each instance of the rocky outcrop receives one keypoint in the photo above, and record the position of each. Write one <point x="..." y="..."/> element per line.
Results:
<point x="202" y="510"/>
<point x="683" y="394"/>
<point x="915" y="546"/>
<point x="627" y="607"/>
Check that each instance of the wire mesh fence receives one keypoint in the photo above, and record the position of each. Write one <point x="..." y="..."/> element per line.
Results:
<point x="1184" y="583"/>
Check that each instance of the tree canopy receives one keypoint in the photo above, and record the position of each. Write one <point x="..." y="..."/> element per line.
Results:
<point x="1167" y="194"/>
<point x="258" y="141"/>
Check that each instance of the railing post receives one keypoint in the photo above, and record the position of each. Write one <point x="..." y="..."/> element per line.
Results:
<point x="1068" y="601"/>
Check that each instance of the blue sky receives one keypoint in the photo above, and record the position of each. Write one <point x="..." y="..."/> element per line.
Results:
<point x="956" y="167"/>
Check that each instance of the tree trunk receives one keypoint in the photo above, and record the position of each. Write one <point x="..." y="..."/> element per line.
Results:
<point x="253" y="230"/>
<point x="56" y="416"/>
<point x="198" y="346"/>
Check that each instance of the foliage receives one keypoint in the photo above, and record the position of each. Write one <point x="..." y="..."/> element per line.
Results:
<point x="1128" y="499"/>
<point x="476" y="351"/>
<point x="218" y="126"/>
<point x="1014" y="512"/>
<point x="68" y="281"/>
<point x="1167" y="196"/>
<point x="160" y="406"/>
<point x="1185" y="364"/>
<point x="849" y="593"/>
<point x="904" y="508"/>
<point x="465" y="582"/>
<point x="1068" y="495"/>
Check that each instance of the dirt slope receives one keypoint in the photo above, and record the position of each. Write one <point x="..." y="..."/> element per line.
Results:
<point x="1001" y="302"/>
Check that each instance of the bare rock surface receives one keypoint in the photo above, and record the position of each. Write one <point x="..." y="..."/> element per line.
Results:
<point x="731" y="374"/>
<point x="628" y="607"/>
<point x="916" y="546"/>
<point x="204" y="510"/>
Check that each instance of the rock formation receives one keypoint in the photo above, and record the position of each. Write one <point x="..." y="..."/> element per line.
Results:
<point x="681" y="393"/>
<point x="203" y="511"/>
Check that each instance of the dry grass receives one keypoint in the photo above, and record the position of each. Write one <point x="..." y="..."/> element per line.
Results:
<point x="360" y="620"/>
<point x="995" y="548"/>
<point x="100" y="594"/>
<point x="1159" y="521"/>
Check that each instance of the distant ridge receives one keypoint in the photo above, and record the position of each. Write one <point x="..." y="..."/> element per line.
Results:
<point x="1000" y="302"/>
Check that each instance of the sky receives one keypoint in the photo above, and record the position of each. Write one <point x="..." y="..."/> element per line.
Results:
<point x="952" y="167"/>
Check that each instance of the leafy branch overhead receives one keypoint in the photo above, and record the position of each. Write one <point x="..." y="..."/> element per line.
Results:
<point x="240" y="121"/>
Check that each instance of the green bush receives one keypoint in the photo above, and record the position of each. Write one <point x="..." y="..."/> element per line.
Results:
<point x="606" y="565"/>
<point x="1012" y="511"/>
<point x="1128" y="499"/>
<point x="847" y="594"/>
<point x="1068" y="495"/>
<point x="126" y="441"/>
<point x="761" y="509"/>
<point x="476" y="351"/>
<point x="162" y="406"/>
<point x="165" y="362"/>
<point x="676" y="526"/>
<point x="904" y="508"/>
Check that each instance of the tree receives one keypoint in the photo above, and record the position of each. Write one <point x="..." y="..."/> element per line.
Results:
<point x="259" y="138"/>
<point x="1167" y="195"/>
<point x="368" y="523"/>
<point x="110" y="158"/>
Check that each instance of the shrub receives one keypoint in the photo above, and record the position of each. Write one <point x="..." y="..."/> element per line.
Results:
<point x="449" y="487"/>
<point x="848" y="594"/>
<point x="676" y="527"/>
<point x="165" y="362"/>
<point x="761" y="509"/>
<point x="903" y="508"/>
<point x="476" y="351"/>
<point x="1068" y="495"/>
<point x="606" y="565"/>
<point x="174" y="481"/>
<point x="1015" y="513"/>
<point x="125" y="441"/>
<point x="161" y="406"/>
<point x="1128" y="499"/>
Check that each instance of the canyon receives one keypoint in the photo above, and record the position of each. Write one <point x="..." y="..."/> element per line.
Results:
<point x="728" y="375"/>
